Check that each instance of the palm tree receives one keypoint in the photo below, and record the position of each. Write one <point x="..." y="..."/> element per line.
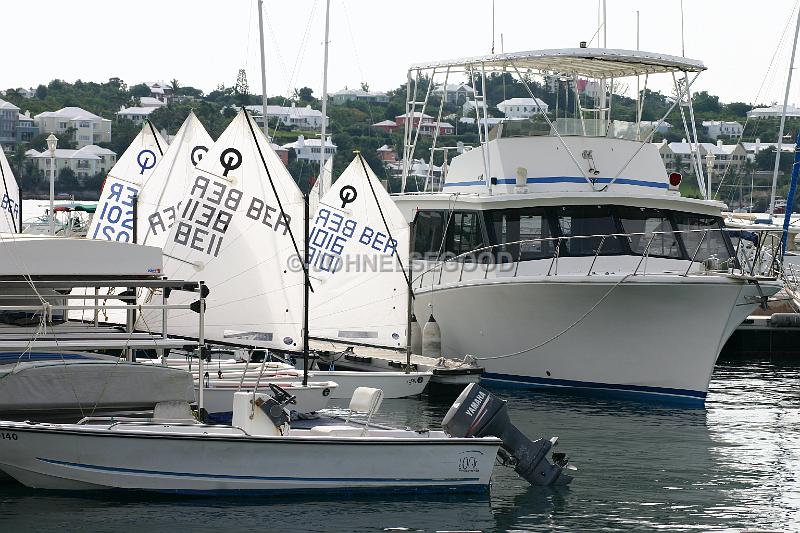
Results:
<point x="174" y="85"/>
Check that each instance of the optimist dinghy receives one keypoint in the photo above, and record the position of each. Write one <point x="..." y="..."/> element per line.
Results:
<point x="258" y="452"/>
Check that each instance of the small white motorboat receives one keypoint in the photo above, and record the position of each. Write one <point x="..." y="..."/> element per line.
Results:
<point x="310" y="398"/>
<point x="395" y="384"/>
<point x="259" y="451"/>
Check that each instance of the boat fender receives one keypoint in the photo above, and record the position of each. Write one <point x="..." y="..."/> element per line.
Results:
<point x="416" y="335"/>
<point x="785" y="320"/>
<point x="432" y="339"/>
<point x="478" y="413"/>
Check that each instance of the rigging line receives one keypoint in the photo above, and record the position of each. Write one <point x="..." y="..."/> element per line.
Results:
<point x="277" y="197"/>
<point x="357" y="58"/>
<point x="761" y="87"/>
<point x="155" y="136"/>
<point x="563" y="331"/>
<point x="383" y="217"/>
<point x="249" y="28"/>
<point x="300" y="54"/>
<point x="5" y="186"/>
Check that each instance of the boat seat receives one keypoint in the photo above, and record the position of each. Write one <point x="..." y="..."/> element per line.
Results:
<point x="365" y="400"/>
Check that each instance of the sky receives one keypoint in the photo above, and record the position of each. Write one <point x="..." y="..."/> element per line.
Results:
<point x="203" y="43"/>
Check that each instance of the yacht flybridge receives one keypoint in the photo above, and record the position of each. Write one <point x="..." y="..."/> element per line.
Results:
<point x="559" y="248"/>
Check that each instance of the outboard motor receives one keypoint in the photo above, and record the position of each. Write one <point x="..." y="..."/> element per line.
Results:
<point x="478" y="413"/>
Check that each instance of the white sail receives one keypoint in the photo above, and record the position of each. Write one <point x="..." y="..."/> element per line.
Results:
<point x="161" y="193"/>
<point x="239" y="230"/>
<point x="10" y="204"/>
<point x="358" y="241"/>
<point x="113" y="220"/>
<point x="321" y="185"/>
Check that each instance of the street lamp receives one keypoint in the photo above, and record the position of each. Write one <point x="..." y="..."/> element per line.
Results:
<point x="52" y="141"/>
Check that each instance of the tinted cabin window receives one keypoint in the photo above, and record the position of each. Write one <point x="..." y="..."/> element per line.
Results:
<point x="464" y="233"/>
<point x="428" y="231"/>
<point x="514" y="225"/>
<point x="577" y="220"/>
<point x="715" y="242"/>
<point x="649" y="221"/>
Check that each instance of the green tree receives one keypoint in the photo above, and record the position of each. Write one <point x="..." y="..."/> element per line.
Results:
<point x="67" y="181"/>
<point x="765" y="160"/>
<point x="737" y="109"/>
<point x="305" y="95"/>
<point x="41" y="92"/>
<point x="706" y="103"/>
<point x="140" y="90"/>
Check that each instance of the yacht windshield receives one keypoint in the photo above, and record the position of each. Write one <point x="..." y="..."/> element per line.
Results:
<point x="661" y="233"/>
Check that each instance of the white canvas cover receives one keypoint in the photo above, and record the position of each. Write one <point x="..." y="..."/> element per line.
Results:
<point x="161" y="193"/>
<point x="10" y="204"/>
<point x="113" y="220"/>
<point x="236" y="234"/>
<point x="361" y="293"/>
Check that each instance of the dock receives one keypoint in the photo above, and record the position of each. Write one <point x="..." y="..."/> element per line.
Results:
<point x="446" y="372"/>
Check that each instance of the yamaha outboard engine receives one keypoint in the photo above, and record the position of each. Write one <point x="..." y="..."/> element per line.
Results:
<point x="478" y="413"/>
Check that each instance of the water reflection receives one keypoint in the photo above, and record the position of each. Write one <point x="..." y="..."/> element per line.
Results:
<point x="730" y="466"/>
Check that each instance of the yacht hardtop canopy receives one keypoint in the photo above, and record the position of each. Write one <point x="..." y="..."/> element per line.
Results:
<point x="589" y="62"/>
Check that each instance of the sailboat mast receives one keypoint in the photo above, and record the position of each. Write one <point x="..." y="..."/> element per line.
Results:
<point x="323" y="143"/>
<point x="263" y="67"/>
<point x="783" y="121"/>
<point x="306" y="283"/>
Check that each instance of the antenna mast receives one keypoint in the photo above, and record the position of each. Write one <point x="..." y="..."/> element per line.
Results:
<point x="783" y="122"/>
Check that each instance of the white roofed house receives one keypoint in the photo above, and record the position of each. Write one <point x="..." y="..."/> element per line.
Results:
<point x="84" y="162"/>
<point x="149" y="101"/>
<point x="662" y="127"/>
<point x="774" y="111"/>
<point x="9" y="116"/>
<point x="349" y="95"/>
<point x="89" y="128"/>
<point x="429" y="128"/>
<point x="753" y="148"/>
<point x="455" y="93"/>
<point x="299" y="117"/>
<point x="677" y="156"/>
<point x="137" y="115"/>
<point x="522" y="107"/>
<point x="469" y="107"/>
<point x="309" y="149"/>
<point x="720" y="128"/>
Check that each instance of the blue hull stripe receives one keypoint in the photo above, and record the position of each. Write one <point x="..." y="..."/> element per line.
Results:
<point x="568" y="383"/>
<point x="255" y="478"/>
<point x="38" y="356"/>
<point x="564" y="179"/>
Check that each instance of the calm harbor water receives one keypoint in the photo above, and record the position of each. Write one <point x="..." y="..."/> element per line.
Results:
<point x="731" y="466"/>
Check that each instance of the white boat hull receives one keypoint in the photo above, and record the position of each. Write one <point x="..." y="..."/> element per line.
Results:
<point x="393" y="384"/>
<point x="218" y="460"/>
<point x="218" y="400"/>
<point x="652" y="335"/>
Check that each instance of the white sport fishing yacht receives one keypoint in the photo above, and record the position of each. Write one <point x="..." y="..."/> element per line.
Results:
<point x="561" y="251"/>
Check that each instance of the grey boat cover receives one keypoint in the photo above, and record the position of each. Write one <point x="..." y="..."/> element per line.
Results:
<point x="87" y="386"/>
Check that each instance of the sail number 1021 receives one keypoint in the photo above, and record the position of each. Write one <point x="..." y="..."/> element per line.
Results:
<point x="8" y="436"/>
